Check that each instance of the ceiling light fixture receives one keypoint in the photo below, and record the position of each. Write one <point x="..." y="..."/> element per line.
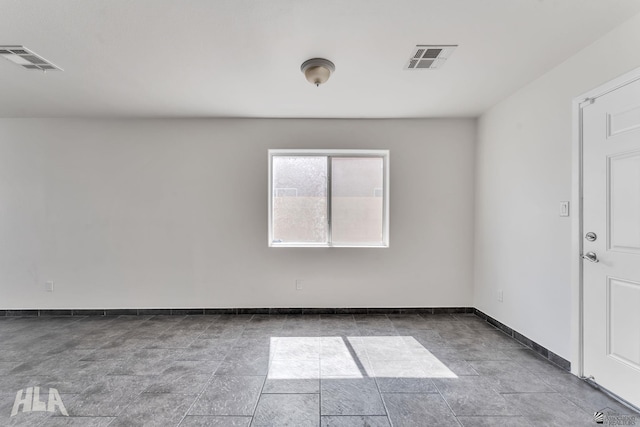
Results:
<point x="317" y="70"/>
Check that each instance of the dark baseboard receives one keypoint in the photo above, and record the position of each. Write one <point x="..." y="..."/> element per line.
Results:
<point x="542" y="351"/>
<point x="210" y="311"/>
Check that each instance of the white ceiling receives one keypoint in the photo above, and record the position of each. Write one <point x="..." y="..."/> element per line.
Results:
<point x="241" y="58"/>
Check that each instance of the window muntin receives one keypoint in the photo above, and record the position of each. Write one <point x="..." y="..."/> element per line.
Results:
<point x="328" y="198"/>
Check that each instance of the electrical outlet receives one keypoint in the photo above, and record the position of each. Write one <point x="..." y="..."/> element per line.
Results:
<point x="299" y="284"/>
<point x="48" y="286"/>
<point x="500" y="295"/>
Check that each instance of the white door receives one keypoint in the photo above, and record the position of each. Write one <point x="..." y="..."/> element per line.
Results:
<point x="611" y="211"/>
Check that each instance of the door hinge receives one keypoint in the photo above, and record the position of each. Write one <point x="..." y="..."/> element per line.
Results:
<point x="587" y="101"/>
<point x="591" y="381"/>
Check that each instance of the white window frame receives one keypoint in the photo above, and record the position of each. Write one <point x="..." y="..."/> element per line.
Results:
<point x="384" y="154"/>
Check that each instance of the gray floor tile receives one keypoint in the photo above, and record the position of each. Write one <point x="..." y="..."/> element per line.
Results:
<point x="459" y="367"/>
<point x="77" y="422"/>
<point x="471" y="352"/>
<point x="70" y="384"/>
<point x="402" y="368"/>
<point x="109" y="366"/>
<point x="229" y="395"/>
<point x="173" y="339"/>
<point x="150" y="409"/>
<point x="294" y="369"/>
<point x="354" y="421"/>
<point x="243" y="365"/>
<point x="143" y="362"/>
<point x="294" y="410"/>
<point x="26" y="419"/>
<point x="418" y="409"/>
<point x="412" y="321"/>
<point x="459" y="338"/>
<point x="293" y="376"/>
<point x="583" y="395"/>
<point x="474" y="396"/>
<point x="190" y="383"/>
<point x="297" y="348"/>
<point x="109" y="354"/>
<point x="263" y="346"/>
<point x="198" y="354"/>
<point x="533" y="362"/>
<point x="7" y="354"/>
<point x="209" y="421"/>
<point x="215" y="348"/>
<point x="225" y="331"/>
<point x="510" y="377"/>
<point x="196" y="323"/>
<point x="354" y="396"/>
<point x="181" y="367"/>
<point x="6" y="367"/>
<point x="428" y="338"/>
<point x="299" y="332"/>
<point x="120" y="385"/>
<point x="291" y="386"/>
<point x="406" y="385"/>
<point x="497" y="421"/>
<point x="549" y="409"/>
<point x="497" y="339"/>
<point x="98" y="404"/>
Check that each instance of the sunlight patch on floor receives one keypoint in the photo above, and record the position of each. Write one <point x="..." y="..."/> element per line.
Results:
<point x="353" y="357"/>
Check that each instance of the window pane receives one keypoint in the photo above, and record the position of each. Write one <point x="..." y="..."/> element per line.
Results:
<point x="356" y="200"/>
<point x="299" y="199"/>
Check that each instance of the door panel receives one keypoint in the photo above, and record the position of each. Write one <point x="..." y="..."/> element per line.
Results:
<point x="623" y="121"/>
<point x="623" y="300"/>
<point x="611" y="210"/>
<point x="624" y="202"/>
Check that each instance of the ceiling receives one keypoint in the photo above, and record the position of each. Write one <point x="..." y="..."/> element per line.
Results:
<point x="241" y="58"/>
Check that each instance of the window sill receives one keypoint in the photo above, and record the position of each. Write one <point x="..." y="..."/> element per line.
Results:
<point x="324" y="245"/>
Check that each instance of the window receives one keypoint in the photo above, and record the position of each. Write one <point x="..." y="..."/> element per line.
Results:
<point x="329" y="198"/>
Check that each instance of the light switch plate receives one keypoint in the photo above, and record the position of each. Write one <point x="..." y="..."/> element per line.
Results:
<point x="564" y="208"/>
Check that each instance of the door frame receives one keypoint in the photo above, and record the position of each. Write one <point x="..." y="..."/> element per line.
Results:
<point x="577" y="302"/>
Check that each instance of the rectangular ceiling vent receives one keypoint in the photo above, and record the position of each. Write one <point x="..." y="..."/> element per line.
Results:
<point x="429" y="57"/>
<point x="22" y="56"/>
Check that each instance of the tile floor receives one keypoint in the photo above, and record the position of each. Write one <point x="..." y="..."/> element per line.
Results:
<point x="260" y="370"/>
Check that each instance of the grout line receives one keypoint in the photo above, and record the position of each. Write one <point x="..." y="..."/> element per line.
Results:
<point x="186" y="414"/>
<point x="264" y="382"/>
<point x="375" y="378"/>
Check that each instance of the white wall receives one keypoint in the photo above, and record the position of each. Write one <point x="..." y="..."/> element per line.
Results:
<point x="523" y="171"/>
<point x="173" y="213"/>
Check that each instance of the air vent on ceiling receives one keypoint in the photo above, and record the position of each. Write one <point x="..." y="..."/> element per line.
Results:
<point x="429" y="57"/>
<point x="27" y="59"/>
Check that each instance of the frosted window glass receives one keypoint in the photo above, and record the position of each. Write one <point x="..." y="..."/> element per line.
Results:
<point x="299" y="199"/>
<point x="357" y="200"/>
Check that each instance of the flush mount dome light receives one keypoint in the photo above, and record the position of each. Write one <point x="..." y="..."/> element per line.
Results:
<point x="317" y="70"/>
